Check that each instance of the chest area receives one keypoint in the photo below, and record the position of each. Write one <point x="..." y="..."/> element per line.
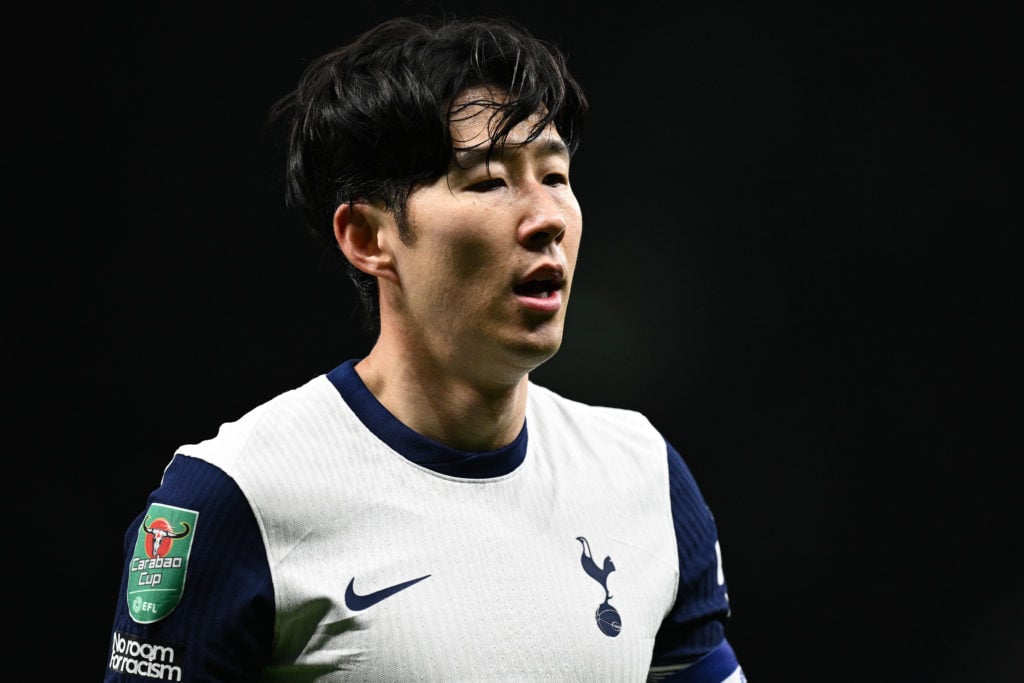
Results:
<point x="508" y="582"/>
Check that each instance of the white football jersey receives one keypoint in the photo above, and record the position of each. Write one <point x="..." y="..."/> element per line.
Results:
<point x="317" y="538"/>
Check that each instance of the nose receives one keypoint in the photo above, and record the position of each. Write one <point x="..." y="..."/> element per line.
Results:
<point x="543" y="223"/>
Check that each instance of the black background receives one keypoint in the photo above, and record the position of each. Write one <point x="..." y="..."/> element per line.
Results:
<point x="796" y="261"/>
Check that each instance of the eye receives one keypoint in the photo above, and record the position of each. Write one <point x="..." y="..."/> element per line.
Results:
<point x="487" y="185"/>
<point x="556" y="179"/>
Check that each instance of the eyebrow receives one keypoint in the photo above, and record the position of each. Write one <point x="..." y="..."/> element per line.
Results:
<point x="475" y="156"/>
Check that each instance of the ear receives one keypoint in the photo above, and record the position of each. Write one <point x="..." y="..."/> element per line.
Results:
<point x="358" y="230"/>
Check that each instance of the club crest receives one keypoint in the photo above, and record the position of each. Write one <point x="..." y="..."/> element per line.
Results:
<point x="607" y="617"/>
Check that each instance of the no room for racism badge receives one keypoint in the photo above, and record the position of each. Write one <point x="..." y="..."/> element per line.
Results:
<point x="156" y="575"/>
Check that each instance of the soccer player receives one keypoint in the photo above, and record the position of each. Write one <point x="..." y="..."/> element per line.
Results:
<point x="426" y="511"/>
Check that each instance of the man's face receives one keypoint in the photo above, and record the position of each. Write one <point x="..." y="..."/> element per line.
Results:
<point x="485" y="279"/>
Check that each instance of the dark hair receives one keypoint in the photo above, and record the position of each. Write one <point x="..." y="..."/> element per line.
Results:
<point x="369" y="120"/>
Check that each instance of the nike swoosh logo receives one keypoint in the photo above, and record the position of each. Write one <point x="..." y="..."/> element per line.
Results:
<point x="356" y="602"/>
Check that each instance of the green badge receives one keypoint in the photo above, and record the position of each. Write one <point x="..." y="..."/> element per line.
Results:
<point x="156" y="576"/>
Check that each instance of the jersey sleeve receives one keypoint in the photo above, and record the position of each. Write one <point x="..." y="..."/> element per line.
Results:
<point x="691" y="645"/>
<point x="196" y="599"/>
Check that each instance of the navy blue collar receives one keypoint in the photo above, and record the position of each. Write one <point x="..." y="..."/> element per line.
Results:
<point x="419" y="449"/>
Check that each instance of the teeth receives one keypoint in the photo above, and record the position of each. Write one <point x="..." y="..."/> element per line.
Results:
<point x="543" y="286"/>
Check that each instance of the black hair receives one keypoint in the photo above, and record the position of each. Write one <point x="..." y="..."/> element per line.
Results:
<point x="369" y="120"/>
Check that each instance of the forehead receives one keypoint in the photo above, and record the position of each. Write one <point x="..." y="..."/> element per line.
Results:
<point x="476" y="116"/>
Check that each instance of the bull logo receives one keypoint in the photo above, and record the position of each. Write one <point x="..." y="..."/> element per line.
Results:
<point x="156" y="575"/>
<point x="160" y="537"/>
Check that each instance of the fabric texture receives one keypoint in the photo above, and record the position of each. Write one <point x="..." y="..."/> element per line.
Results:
<point x="333" y="543"/>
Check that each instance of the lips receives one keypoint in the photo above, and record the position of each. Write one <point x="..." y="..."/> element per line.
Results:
<point x="542" y="284"/>
<point x="540" y="291"/>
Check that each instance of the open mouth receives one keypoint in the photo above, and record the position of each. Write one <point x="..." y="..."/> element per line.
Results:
<point x="539" y="288"/>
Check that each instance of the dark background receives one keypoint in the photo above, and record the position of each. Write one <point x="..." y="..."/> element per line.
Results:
<point x="796" y="261"/>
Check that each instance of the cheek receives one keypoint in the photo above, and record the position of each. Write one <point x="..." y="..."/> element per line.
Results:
<point x="574" y="229"/>
<point x="471" y="259"/>
<point x="457" y="238"/>
<point x="571" y="241"/>
<point x="471" y="249"/>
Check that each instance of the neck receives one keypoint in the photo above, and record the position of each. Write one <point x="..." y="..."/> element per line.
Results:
<point x="444" y="404"/>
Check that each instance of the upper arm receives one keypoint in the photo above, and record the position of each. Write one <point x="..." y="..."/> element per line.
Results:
<point x="695" y="626"/>
<point x="200" y="601"/>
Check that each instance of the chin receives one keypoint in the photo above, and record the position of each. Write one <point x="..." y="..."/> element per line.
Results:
<point x="535" y="351"/>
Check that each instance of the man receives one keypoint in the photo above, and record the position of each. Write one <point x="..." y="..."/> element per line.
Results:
<point x="426" y="512"/>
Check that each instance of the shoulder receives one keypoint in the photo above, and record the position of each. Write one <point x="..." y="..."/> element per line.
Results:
<point x="266" y="426"/>
<point x="543" y="399"/>
<point x="620" y="429"/>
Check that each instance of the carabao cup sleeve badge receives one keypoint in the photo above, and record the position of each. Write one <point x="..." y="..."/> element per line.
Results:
<point x="156" y="575"/>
